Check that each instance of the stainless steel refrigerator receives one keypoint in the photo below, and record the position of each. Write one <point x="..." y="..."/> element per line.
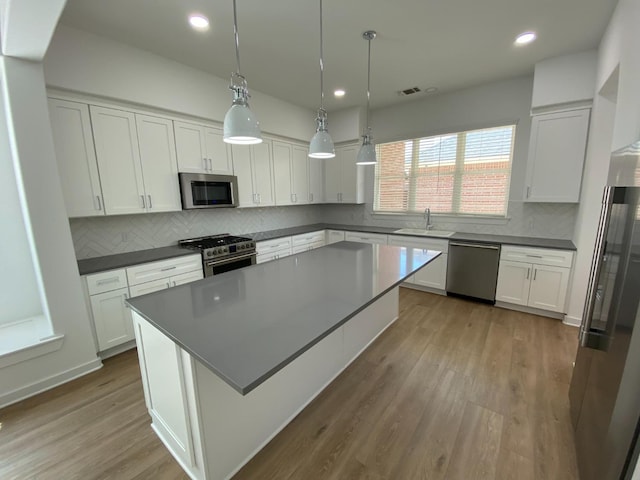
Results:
<point x="605" y="388"/>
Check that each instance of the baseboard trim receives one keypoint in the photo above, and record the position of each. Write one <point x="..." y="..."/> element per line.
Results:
<point x="48" y="383"/>
<point x="533" y="311"/>
<point x="572" y="321"/>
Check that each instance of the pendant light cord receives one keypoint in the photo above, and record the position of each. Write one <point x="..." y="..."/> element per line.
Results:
<point x="321" y="63"/>
<point x="368" y="82"/>
<point x="235" y="31"/>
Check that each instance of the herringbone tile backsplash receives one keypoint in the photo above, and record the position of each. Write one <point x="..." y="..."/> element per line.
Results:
<point x="97" y="236"/>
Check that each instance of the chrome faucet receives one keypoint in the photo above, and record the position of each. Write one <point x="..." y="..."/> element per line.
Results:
<point x="427" y="216"/>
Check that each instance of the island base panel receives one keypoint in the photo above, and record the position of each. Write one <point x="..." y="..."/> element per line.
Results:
<point x="227" y="429"/>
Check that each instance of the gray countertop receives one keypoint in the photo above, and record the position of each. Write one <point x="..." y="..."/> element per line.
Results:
<point x="121" y="260"/>
<point x="247" y="324"/>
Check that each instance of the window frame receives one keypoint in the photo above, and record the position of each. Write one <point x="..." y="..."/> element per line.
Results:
<point x="458" y="175"/>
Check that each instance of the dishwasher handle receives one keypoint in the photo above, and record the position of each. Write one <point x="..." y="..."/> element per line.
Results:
<point x="474" y="245"/>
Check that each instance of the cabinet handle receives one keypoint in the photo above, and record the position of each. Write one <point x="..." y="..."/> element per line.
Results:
<point x="108" y="280"/>
<point x="534" y="256"/>
<point x="168" y="285"/>
<point x="535" y="274"/>
<point x="210" y="165"/>
<point x="143" y="202"/>
<point x="150" y="204"/>
<point x="175" y="284"/>
<point x="528" y="273"/>
<point x="168" y="268"/>
<point x="204" y="164"/>
<point x="259" y="199"/>
<point x="311" y="197"/>
<point x="99" y="202"/>
<point x="295" y="197"/>
<point x="528" y="191"/>
<point x="292" y="200"/>
<point x="126" y="296"/>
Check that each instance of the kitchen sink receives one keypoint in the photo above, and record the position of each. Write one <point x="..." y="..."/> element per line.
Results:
<point x="426" y="233"/>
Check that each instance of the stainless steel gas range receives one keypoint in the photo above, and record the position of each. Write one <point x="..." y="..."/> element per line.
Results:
<point x="222" y="253"/>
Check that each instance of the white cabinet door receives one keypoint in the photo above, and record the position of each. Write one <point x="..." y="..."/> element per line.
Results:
<point x="191" y="148"/>
<point x="217" y="151"/>
<point x="261" y="166"/>
<point x="300" y="175"/>
<point x="282" y="173"/>
<point x="76" y="158"/>
<point x="316" y="179"/>
<point x="334" y="236"/>
<point x="332" y="183"/>
<point x="186" y="278"/>
<point x="434" y="275"/>
<point x="159" y="164"/>
<point x="514" y="279"/>
<point x="549" y="288"/>
<point x="350" y="189"/>
<point x="242" y="169"/>
<point x="164" y="381"/>
<point x="556" y="156"/>
<point x="118" y="154"/>
<point x="112" y="318"/>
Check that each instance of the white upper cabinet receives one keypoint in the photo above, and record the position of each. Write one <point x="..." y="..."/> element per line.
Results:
<point x="253" y="167"/>
<point x="344" y="181"/>
<point x="282" y="173"/>
<point x="556" y="156"/>
<point x="200" y="149"/>
<point x="316" y="179"/>
<point x="159" y="166"/>
<point x="118" y="154"/>
<point x="137" y="161"/>
<point x="300" y="174"/>
<point x="76" y="158"/>
<point x="291" y="174"/>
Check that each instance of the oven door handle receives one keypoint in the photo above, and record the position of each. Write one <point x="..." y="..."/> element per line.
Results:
<point x="229" y="260"/>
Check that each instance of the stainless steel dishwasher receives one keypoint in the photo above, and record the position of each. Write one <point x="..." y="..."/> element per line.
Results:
<point x="472" y="270"/>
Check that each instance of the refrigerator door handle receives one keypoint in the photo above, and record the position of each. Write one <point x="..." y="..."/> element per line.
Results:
<point x="597" y="339"/>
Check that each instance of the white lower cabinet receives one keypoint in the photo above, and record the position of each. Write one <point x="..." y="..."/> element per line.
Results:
<point x="539" y="281"/>
<point x="112" y="318"/>
<point x="434" y="275"/>
<point x="334" y="236"/>
<point x="373" y="238"/>
<point x="107" y="292"/>
<point x="268" y="250"/>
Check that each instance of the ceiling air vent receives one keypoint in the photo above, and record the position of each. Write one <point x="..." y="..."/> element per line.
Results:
<point x="409" y="91"/>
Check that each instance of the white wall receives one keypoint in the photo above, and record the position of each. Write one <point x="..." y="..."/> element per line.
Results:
<point x="87" y="63"/>
<point x="565" y="79"/>
<point x="26" y="111"/>
<point x="613" y="126"/>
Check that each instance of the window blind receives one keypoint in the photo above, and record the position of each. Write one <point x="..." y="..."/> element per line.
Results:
<point x="462" y="173"/>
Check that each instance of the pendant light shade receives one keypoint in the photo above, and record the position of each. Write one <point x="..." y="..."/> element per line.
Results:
<point x="367" y="152"/>
<point x="321" y="145"/>
<point x="240" y="124"/>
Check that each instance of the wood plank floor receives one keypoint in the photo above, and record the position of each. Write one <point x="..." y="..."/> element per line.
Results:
<point x="453" y="390"/>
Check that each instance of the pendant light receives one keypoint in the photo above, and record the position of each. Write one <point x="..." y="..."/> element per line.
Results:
<point x="367" y="153"/>
<point x="321" y="145"/>
<point x="240" y="124"/>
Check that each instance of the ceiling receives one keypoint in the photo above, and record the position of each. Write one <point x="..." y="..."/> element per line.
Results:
<point x="448" y="44"/>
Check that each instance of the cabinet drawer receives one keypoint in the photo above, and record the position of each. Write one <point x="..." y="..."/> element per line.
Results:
<point x="273" y="255"/>
<point x="106" y="281"/>
<point x="307" y="238"/>
<point x="273" y="245"/>
<point x="334" y="236"/>
<point x="426" y="243"/>
<point x="375" y="238"/>
<point x="539" y="256"/>
<point x="148" y="272"/>
<point x="149" y="287"/>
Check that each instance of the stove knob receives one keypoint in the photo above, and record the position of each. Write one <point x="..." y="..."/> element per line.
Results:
<point x="209" y="253"/>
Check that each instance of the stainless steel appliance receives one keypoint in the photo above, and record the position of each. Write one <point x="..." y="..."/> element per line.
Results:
<point x="208" y="191"/>
<point x="605" y="388"/>
<point x="222" y="253"/>
<point x="472" y="270"/>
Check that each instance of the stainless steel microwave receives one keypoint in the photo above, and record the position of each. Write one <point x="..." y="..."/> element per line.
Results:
<point x="208" y="191"/>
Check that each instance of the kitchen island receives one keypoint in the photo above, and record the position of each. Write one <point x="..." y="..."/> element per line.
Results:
<point x="228" y="361"/>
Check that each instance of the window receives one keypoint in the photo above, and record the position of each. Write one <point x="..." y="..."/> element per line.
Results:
<point x="464" y="173"/>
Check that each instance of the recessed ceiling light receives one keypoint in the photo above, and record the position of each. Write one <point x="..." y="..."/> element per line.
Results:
<point x="199" y="22"/>
<point x="339" y="93"/>
<point x="524" y="38"/>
